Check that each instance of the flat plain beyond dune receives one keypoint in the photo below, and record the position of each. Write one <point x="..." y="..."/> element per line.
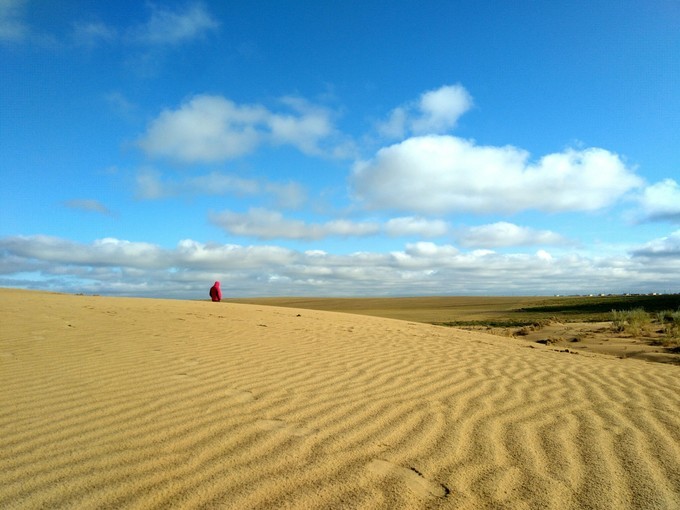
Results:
<point x="140" y="403"/>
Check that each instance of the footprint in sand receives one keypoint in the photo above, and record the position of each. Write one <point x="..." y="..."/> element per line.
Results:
<point x="290" y="428"/>
<point x="420" y="485"/>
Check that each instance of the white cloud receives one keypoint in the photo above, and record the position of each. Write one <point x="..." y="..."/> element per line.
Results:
<point x="544" y="255"/>
<point x="110" y="252"/>
<point x="194" y="255"/>
<point x="504" y="234"/>
<point x="413" y="226"/>
<point x="664" y="247"/>
<point x="12" y="26"/>
<point x="661" y="201"/>
<point x="439" y="174"/>
<point x="102" y="252"/>
<point x="206" y="129"/>
<point x="212" y="128"/>
<point x="267" y="224"/>
<point x="150" y="185"/>
<point x="437" y="111"/>
<point x="304" y="129"/>
<point x="395" y="125"/>
<point x="113" y="266"/>
<point x="440" y="109"/>
<point x="430" y="250"/>
<point x="172" y="27"/>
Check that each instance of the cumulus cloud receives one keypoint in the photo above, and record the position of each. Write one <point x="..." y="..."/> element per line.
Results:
<point x="89" y="205"/>
<point x="205" y="129"/>
<point x="429" y="251"/>
<point x="544" y="255"/>
<point x="210" y="128"/>
<point x="195" y="255"/>
<point x="172" y="27"/>
<point x="102" y="252"/>
<point x="436" y="111"/>
<point x="504" y="234"/>
<point x="661" y="201"/>
<point x="151" y="186"/>
<point x="440" y="174"/>
<point x="267" y="224"/>
<point x="111" y="252"/>
<point x="304" y="128"/>
<point x="664" y="247"/>
<point x="415" y="226"/>
<point x="114" y="266"/>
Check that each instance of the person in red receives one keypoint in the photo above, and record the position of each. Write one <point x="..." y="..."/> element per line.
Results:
<point x="215" y="292"/>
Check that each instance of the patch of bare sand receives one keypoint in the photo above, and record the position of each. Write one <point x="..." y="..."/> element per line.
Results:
<point x="133" y="403"/>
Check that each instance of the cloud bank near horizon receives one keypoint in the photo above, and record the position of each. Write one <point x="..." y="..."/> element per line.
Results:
<point x="114" y="266"/>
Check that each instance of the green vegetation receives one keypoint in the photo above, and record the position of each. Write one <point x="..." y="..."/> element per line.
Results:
<point x="636" y="322"/>
<point x="598" y="308"/>
<point x="670" y="321"/>
<point x="528" y="323"/>
<point x="491" y="311"/>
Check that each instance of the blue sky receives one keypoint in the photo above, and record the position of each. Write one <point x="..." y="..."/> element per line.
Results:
<point x="340" y="149"/>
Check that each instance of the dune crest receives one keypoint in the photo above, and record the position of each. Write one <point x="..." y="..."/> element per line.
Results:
<point x="136" y="403"/>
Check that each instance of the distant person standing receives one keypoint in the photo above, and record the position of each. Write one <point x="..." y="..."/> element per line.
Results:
<point x="215" y="292"/>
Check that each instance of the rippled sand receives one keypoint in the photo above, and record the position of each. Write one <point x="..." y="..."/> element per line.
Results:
<point x="134" y="403"/>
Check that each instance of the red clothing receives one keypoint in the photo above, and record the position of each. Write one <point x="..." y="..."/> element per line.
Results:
<point x="215" y="292"/>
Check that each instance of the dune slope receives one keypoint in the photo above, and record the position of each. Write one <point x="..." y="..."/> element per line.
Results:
<point x="134" y="403"/>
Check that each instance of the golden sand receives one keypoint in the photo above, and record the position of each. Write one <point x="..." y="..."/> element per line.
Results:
<point x="136" y="403"/>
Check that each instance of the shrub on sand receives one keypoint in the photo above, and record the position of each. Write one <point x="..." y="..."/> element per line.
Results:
<point x="618" y="320"/>
<point x="633" y="322"/>
<point x="670" y="320"/>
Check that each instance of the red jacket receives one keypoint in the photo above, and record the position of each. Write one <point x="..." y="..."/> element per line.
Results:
<point x="215" y="292"/>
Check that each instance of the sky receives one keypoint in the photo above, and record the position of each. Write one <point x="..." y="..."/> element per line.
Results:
<point x="355" y="148"/>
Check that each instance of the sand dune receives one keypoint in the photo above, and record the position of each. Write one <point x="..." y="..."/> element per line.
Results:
<point x="133" y="403"/>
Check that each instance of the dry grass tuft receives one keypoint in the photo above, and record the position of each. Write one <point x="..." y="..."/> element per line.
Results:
<point x="634" y="322"/>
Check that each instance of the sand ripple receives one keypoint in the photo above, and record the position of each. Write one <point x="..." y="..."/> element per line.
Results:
<point x="124" y="403"/>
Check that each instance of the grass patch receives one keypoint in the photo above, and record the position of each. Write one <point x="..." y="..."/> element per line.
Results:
<point x="637" y="322"/>
<point x="634" y="322"/>
<point x="471" y="311"/>
<point x="670" y="322"/>
<point x="598" y="308"/>
<point x="494" y="323"/>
